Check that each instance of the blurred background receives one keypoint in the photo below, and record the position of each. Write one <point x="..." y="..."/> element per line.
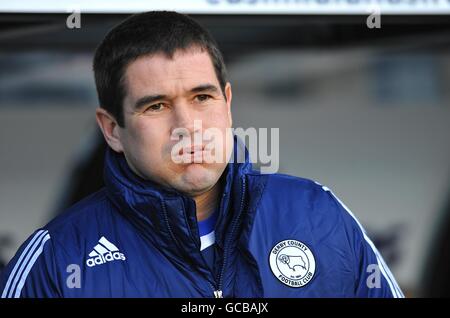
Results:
<point x="364" y="111"/>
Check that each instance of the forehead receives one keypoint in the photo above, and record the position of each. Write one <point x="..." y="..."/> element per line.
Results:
<point x="159" y="74"/>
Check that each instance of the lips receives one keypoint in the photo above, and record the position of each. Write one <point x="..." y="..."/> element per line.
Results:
<point x="192" y="150"/>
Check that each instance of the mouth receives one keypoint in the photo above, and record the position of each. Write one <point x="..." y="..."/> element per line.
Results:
<point x="192" y="154"/>
<point x="191" y="150"/>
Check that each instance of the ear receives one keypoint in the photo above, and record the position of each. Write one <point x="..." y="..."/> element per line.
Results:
<point x="229" y="96"/>
<point x="110" y="129"/>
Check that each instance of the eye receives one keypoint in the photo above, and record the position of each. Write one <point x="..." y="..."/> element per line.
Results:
<point x="202" y="97"/>
<point x="155" y="107"/>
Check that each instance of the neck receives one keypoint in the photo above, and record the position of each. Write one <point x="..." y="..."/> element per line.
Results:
<point x="206" y="202"/>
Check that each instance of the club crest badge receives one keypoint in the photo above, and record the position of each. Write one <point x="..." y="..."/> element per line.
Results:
<point x="292" y="263"/>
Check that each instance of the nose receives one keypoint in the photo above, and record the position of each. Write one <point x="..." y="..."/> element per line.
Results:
<point x="184" y="120"/>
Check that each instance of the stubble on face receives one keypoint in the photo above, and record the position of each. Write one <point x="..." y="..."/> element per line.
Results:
<point x="146" y="137"/>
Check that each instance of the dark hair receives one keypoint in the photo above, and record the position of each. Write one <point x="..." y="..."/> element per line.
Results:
<point x="145" y="34"/>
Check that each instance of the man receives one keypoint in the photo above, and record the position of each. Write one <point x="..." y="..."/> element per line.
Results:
<point x="170" y="223"/>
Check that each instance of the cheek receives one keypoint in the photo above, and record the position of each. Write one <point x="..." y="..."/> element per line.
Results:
<point x="218" y="125"/>
<point x="220" y="121"/>
<point x="219" y="118"/>
<point x="147" y="137"/>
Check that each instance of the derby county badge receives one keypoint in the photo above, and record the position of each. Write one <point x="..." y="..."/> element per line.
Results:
<point x="293" y="263"/>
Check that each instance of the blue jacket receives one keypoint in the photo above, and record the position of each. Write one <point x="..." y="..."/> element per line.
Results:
<point x="276" y="236"/>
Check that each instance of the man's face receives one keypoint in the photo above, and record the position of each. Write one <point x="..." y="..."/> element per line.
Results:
<point x="164" y="95"/>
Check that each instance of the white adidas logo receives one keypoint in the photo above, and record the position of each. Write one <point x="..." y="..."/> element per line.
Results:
<point x="103" y="252"/>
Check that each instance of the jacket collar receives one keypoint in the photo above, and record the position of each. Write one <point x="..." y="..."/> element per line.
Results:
<point x="167" y="217"/>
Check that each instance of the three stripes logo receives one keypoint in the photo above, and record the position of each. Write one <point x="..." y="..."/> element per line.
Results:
<point x="24" y="264"/>
<point x="103" y="252"/>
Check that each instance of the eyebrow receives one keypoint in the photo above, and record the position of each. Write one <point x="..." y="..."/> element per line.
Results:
<point x="205" y="88"/>
<point x="148" y="99"/>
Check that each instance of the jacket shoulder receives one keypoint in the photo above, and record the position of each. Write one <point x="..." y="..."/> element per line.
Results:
<point x="36" y="268"/>
<point x="83" y="222"/>
<point x="297" y="188"/>
<point x="88" y="211"/>
<point x="305" y="198"/>
<point x="315" y="206"/>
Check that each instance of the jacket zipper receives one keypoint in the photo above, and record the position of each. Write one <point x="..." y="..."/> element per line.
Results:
<point x="218" y="292"/>
<point x="166" y="220"/>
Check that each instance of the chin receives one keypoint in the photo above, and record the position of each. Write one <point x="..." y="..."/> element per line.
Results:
<point x="197" y="179"/>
